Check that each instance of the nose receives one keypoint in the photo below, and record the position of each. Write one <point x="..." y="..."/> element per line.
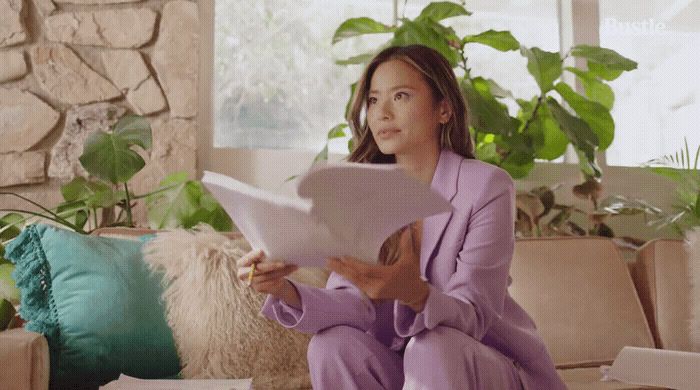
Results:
<point x="385" y="109"/>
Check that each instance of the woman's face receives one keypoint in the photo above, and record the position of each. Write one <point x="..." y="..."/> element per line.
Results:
<point x="400" y="111"/>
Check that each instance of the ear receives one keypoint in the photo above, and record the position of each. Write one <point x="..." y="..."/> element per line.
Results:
<point x="445" y="111"/>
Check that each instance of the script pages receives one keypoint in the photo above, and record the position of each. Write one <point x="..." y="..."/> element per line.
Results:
<point x="340" y="209"/>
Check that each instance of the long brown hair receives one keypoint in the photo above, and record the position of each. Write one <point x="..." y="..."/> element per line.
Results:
<point x="455" y="136"/>
<point x="438" y="74"/>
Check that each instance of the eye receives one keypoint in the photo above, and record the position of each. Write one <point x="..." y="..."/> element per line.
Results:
<point x="400" y="93"/>
<point x="370" y="101"/>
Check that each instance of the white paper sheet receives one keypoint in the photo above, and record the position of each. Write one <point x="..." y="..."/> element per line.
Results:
<point x="341" y="209"/>
<point x="656" y="367"/>
<point x="125" y="382"/>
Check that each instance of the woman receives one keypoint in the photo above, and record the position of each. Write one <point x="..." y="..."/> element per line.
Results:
<point x="438" y="315"/>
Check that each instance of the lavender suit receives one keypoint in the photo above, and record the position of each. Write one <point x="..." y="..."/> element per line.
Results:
<point x="470" y="334"/>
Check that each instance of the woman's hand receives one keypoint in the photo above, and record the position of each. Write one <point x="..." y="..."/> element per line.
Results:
<point x="400" y="281"/>
<point x="268" y="277"/>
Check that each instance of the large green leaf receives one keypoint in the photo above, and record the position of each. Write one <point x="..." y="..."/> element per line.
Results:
<point x="93" y="194"/>
<point x="423" y="33"/>
<point x="595" y="114"/>
<point x="603" y="72"/>
<point x="487" y="114"/>
<point x="108" y="157"/>
<point x="448" y="33"/>
<point x="8" y="288"/>
<point x="337" y="131"/>
<point x="359" y="26"/>
<point x="135" y="130"/>
<point x="11" y="226"/>
<point x="185" y="204"/>
<point x="544" y="66"/>
<point x="587" y="166"/>
<point x="518" y="164"/>
<point x="356" y="60"/>
<point x="606" y="57"/>
<point x="440" y="10"/>
<point x="549" y="141"/>
<point x="499" y="40"/>
<point x="595" y="89"/>
<point x="575" y="128"/>
<point x="170" y="208"/>
<point x="487" y="152"/>
<point x="498" y="91"/>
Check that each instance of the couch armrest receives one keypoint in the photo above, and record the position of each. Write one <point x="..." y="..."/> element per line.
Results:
<point x="24" y="360"/>
<point x="662" y="280"/>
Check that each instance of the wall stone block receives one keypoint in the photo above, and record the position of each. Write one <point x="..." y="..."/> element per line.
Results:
<point x="129" y="73"/>
<point x="12" y="30"/>
<point x="113" y="28"/>
<point x="63" y="75"/>
<point x="12" y="65"/>
<point x="175" y="57"/>
<point x="24" y="120"/>
<point x="22" y="168"/>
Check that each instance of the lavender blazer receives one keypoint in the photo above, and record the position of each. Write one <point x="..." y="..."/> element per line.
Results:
<point x="465" y="257"/>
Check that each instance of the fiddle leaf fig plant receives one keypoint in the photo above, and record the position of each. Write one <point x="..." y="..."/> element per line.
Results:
<point x="545" y="124"/>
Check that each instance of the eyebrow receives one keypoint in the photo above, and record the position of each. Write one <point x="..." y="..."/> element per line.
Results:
<point x="395" y="88"/>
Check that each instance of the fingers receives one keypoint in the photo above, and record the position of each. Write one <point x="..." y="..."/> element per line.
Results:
<point x="275" y="274"/>
<point x="354" y="270"/>
<point x="254" y="256"/>
<point x="266" y="271"/>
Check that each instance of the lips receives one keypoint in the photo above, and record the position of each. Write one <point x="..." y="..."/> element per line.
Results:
<point x="385" y="132"/>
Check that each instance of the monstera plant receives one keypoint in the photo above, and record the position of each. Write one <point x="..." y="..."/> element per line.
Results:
<point x="104" y="199"/>
<point x="544" y="125"/>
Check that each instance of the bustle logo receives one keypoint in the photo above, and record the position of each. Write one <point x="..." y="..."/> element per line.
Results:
<point x="639" y="27"/>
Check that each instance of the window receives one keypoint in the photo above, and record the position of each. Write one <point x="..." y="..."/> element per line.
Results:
<point x="658" y="103"/>
<point x="276" y="85"/>
<point x="533" y="23"/>
<point x="275" y="82"/>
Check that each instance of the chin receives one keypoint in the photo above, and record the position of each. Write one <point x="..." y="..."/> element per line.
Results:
<point x="388" y="149"/>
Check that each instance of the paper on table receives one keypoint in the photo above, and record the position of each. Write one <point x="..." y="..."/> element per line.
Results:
<point x="656" y="367"/>
<point x="125" y="382"/>
<point x="341" y="209"/>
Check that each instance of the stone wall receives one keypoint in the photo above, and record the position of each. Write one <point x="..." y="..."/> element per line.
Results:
<point x="72" y="67"/>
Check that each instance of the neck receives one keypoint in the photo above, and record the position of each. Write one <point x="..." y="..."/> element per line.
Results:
<point x="420" y="164"/>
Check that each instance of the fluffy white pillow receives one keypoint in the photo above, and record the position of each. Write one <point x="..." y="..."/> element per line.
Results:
<point x="215" y="318"/>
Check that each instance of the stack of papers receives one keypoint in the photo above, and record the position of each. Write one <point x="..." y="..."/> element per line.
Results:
<point x="129" y="383"/>
<point x="655" y="367"/>
<point x="339" y="209"/>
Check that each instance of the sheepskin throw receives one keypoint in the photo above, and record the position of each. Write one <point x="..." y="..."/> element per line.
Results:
<point x="692" y="242"/>
<point x="215" y="319"/>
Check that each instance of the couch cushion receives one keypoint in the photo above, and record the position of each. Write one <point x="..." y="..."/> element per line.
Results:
<point x="661" y="276"/>
<point x="97" y="304"/>
<point x="581" y="296"/>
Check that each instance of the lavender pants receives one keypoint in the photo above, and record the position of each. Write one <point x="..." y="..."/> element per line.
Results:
<point x="343" y="357"/>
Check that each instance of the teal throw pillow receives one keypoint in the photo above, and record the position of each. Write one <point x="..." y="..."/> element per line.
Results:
<point x="96" y="302"/>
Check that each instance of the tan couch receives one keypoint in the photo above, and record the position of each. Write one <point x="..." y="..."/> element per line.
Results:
<point x="587" y="301"/>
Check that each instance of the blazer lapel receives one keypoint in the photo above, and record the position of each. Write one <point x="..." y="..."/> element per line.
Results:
<point x="445" y="183"/>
